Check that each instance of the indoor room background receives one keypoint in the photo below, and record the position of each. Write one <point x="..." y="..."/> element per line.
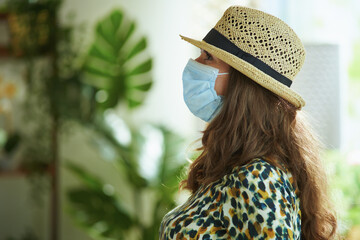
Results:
<point x="94" y="133"/>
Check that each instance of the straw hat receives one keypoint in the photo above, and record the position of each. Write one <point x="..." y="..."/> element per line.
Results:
<point x="259" y="45"/>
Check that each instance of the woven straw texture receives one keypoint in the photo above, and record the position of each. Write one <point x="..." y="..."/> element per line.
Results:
<point x="265" y="37"/>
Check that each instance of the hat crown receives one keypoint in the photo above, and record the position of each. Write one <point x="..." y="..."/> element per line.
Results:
<point x="265" y="37"/>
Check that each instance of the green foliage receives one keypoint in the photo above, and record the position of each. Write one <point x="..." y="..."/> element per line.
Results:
<point x="345" y="187"/>
<point x="354" y="69"/>
<point x="117" y="62"/>
<point x="119" y="69"/>
<point x="31" y="26"/>
<point x="97" y="210"/>
<point x="54" y="90"/>
<point x="104" y="214"/>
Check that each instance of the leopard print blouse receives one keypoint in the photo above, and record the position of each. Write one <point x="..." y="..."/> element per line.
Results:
<point x="255" y="201"/>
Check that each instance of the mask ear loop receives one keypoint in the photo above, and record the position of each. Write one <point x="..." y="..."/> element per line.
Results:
<point x="222" y="74"/>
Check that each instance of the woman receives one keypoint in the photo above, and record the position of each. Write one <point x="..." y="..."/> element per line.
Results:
<point x="259" y="175"/>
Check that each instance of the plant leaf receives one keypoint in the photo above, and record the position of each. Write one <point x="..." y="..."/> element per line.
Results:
<point x="125" y="37"/>
<point x="99" y="54"/>
<point x="144" y="87"/>
<point x="87" y="179"/>
<point x="99" y="212"/>
<point x="140" y="46"/>
<point x="142" y="68"/>
<point x="108" y="57"/>
<point x="99" y="72"/>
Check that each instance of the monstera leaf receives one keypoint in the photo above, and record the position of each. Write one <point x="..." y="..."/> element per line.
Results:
<point x="117" y="63"/>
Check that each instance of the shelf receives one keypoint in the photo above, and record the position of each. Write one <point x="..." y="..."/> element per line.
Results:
<point x="20" y="172"/>
<point x="5" y="52"/>
<point x="13" y="173"/>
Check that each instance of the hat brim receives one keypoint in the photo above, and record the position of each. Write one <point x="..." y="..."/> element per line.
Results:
<point x="250" y="71"/>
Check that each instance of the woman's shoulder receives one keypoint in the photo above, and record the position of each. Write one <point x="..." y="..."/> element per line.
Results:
<point x="259" y="164"/>
<point x="259" y="171"/>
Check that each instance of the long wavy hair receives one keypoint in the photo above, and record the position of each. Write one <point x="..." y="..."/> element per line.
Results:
<point x="254" y="122"/>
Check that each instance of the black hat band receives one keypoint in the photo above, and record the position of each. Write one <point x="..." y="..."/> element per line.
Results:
<point x="218" y="40"/>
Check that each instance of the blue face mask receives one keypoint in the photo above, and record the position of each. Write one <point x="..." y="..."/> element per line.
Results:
<point x="199" y="93"/>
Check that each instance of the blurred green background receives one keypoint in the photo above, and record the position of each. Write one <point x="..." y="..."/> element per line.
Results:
<point x="94" y="133"/>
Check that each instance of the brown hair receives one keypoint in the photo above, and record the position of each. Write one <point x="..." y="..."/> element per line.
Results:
<point x="255" y="122"/>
